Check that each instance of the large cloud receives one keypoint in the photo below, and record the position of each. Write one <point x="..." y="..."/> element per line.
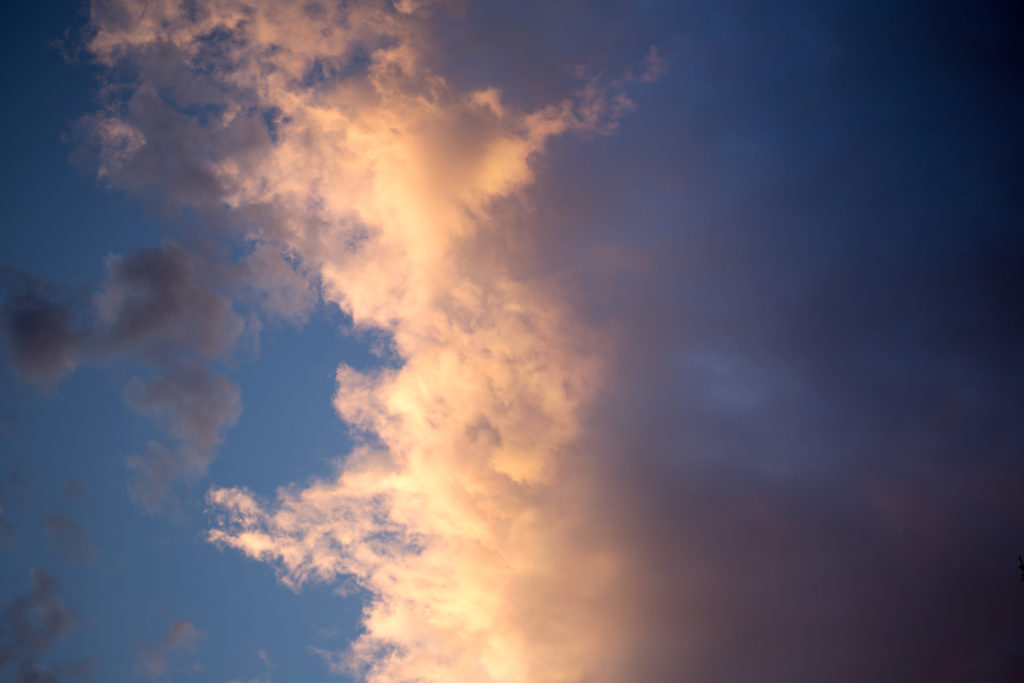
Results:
<point x="456" y="511"/>
<point x="606" y="454"/>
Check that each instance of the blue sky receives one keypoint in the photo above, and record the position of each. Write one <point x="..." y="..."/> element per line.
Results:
<point x="536" y="342"/>
<point x="147" y="571"/>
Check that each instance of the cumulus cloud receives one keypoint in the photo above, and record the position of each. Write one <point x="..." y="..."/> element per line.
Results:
<point x="635" y="471"/>
<point x="381" y="178"/>
<point x="175" y="652"/>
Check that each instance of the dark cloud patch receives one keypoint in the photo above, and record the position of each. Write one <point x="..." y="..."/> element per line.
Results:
<point x="42" y="333"/>
<point x="69" y="539"/>
<point x="32" y="622"/>
<point x="194" y="405"/>
<point x="153" y="304"/>
<point x="156" y="306"/>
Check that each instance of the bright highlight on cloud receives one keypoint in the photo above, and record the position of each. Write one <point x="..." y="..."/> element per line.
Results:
<point x="325" y="131"/>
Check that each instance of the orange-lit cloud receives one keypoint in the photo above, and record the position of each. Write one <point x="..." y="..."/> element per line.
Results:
<point x="461" y="511"/>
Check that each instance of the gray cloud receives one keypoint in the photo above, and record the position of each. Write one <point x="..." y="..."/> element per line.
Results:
<point x="152" y="304"/>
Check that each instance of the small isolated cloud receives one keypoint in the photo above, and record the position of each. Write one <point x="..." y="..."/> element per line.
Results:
<point x="29" y="626"/>
<point x="41" y="332"/>
<point x="176" y="652"/>
<point x="194" y="405"/>
<point x="68" y="539"/>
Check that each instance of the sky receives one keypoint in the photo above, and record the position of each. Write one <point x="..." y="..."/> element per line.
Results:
<point x="547" y="342"/>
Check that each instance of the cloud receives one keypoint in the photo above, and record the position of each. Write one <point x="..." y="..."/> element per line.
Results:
<point x="161" y="308"/>
<point x="69" y="539"/>
<point x="603" y="452"/>
<point x="176" y="651"/>
<point x="152" y="304"/>
<point x="41" y="332"/>
<point x="457" y="511"/>
<point x="31" y="623"/>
